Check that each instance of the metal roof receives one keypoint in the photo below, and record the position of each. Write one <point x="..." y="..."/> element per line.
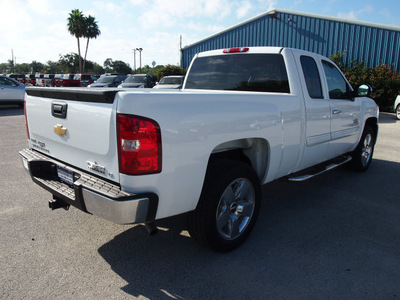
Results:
<point x="365" y="41"/>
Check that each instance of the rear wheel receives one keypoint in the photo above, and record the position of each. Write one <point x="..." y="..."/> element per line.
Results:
<point x="362" y="155"/>
<point x="228" y="206"/>
<point x="398" y="112"/>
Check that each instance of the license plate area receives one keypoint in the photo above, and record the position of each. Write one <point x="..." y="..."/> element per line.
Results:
<point x="65" y="175"/>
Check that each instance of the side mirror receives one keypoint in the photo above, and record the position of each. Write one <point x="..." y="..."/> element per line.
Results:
<point x="364" y="90"/>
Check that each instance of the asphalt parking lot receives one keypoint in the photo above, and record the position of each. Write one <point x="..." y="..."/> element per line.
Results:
<point x="336" y="236"/>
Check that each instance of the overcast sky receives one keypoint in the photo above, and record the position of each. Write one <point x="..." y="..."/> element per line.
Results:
<point x="37" y="29"/>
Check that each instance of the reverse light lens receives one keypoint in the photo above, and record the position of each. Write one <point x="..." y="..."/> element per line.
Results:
<point x="130" y="145"/>
<point x="139" y="145"/>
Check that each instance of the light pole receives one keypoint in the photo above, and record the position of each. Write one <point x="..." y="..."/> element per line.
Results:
<point x="134" y="59"/>
<point x="140" y="57"/>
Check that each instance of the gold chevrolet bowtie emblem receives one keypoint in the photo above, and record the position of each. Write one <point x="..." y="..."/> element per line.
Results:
<point x="60" y="130"/>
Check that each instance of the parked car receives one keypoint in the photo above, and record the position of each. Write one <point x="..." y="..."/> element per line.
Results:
<point x="68" y="80"/>
<point x="17" y="77"/>
<point x="108" y="81"/>
<point x="57" y="79"/>
<point x="30" y="79"/>
<point x="397" y="107"/>
<point x="38" y="77"/>
<point x="139" y="81"/>
<point x="84" y="79"/>
<point x="170" y="82"/>
<point x="11" y="91"/>
<point x="47" y="80"/>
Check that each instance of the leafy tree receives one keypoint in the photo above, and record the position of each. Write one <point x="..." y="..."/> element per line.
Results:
<point x="4" y="67"/>
<point x="121" y="67"/>
<point x="97" y="69"/>
<point x="108" y="65"/>
<point x="52" y="67"/>
<point x="384" y="80"/>
<point x="36" y="67"/>
<point x="24" y="68"/>
<point x="69" y="63"/>
<point x="91" y="31"/>
<point x="146" y="69"/>
<point x="169" y="70"/>
<point x="76" y="27"/>
<point x="116" y="66"/>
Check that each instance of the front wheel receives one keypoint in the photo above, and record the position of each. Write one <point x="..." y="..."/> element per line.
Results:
<point x="362" y="155"/>
<point x="228" y="206"/>
<point x="398" y="112"/>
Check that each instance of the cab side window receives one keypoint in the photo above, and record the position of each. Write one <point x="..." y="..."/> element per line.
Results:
<point x="337" y="85"/>
<point x="311" y="75"/>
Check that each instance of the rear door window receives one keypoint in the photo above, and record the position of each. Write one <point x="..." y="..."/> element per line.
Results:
<point x="311" y="75"/>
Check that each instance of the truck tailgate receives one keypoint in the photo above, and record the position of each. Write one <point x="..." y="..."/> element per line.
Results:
<point x="75" y="126"/>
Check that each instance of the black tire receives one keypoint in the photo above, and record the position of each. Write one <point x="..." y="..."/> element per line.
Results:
<point x="228" y="206"/>
<point x="362" y="155"/>
<point x="398" y="112"/>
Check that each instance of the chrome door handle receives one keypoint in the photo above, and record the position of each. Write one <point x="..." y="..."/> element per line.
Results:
<point x="336" y="111"/>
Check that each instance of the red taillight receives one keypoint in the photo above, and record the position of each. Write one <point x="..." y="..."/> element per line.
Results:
<point x="139" y="145"/>
<point x="26" y="121"/>
<point x="236" y="50"/>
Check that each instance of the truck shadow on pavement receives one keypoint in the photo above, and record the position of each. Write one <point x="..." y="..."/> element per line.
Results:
<point x="335" y="236"/>
<point x="387" y="118"/>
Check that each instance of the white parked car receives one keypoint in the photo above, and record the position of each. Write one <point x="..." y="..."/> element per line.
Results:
<point x="397" y="107"/>
<point x="170" y="82"/>
<point x="11" y="91"/>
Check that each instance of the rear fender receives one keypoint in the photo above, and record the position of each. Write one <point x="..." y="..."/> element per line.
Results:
<point x="254" y="151"/>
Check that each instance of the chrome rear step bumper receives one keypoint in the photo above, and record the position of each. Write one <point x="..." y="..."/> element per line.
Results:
<point x="90" y="193"/>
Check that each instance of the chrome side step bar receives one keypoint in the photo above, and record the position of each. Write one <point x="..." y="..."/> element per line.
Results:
<point x="317" y="170"/>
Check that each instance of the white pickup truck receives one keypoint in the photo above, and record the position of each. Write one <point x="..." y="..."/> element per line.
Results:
<point x="245" y="117"/>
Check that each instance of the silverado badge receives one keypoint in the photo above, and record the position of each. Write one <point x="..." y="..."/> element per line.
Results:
<point x="60" y="130"/>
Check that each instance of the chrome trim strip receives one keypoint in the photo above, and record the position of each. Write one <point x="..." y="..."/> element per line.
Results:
<point x="318" y="139"/>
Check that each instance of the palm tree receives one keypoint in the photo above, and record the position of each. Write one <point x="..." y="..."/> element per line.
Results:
<point x="91" y="31"/>
<point x="76" y="27"/>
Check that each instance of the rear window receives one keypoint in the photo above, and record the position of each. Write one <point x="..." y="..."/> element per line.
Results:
<point x="239" y="72"/>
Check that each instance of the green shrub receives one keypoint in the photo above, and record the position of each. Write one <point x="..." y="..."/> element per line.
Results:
<point x="169" y="70"/>
<point x="384" y="80"/>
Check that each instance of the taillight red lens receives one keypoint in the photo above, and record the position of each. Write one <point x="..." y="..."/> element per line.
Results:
<point x="139" y="145"/>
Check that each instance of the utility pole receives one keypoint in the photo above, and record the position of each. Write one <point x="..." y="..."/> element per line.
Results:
<point x="12" y="60"/>
<point x="140" y="56"/>
<point x="180" y="51"/>
<point x="134" y="59"/>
